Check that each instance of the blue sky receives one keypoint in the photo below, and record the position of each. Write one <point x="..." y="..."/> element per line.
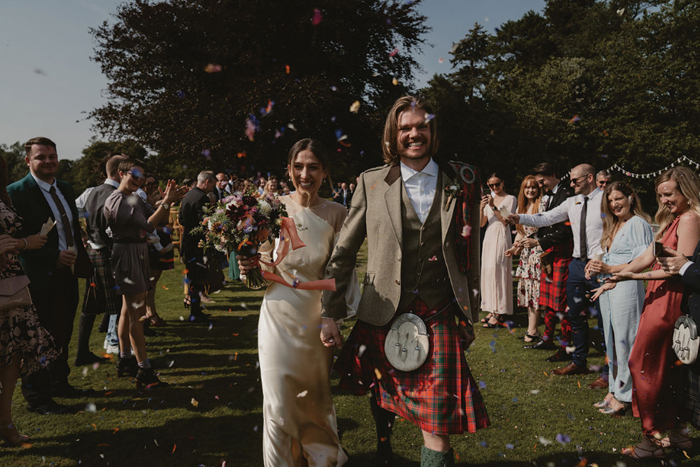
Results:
<point x="47" y="80"/>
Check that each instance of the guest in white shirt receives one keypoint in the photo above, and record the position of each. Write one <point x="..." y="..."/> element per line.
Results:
<point x="583" y="211"/>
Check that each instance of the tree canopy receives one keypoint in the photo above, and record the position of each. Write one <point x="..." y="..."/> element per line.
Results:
<point x="601" y="82"/>
<point x="231" y="85"/>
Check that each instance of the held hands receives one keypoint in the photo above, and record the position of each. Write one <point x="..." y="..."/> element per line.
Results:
<point x="484" y="201"/>
<point x="66" y="258"/>
<point x="330" y="334"/>
<point x="596" y="267"/>
<point x="603" y="288"/>
<point x="514" y="250"/>
<point x="248" y="264"/>
<point x="672" y="263"/>
<point x="172" y="193"/>
<point x="528" y="242"/>
<point x="36" y="241"/>
<point x="621" y="276"/>
<point x="8" y="245"/>
<point x="513" y="219"/>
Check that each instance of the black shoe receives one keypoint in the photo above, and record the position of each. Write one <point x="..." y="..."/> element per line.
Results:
<point x="127" y="366"/>
<point x="66" y="390"/>
<point x="200" y="318"/>
<point x="89" y="359"/>
<point x="48" y="408"/>
<point x="148" y="377"/>
<point x="148" y="332"/>
<point x="542" y="345"/>
<point x="560" y="356"/>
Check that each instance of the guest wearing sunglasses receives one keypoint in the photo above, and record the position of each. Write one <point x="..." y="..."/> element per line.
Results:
<point x="496" y="268"/>
<point x="602" y="179"/>
<point x="126" y="216"/>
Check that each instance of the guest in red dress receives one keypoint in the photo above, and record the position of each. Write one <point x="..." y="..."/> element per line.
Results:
<point x="652" y="361"/>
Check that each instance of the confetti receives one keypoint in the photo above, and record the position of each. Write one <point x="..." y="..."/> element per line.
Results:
<point x="378" y="373"/>
<point x="441" y="60"/>
<point x="317" y="18"/>
<point x="563" y="439"/>
<point x="212" y="68"/>
<point x="302" y="393"/>
<point x="174" y="448"/>
<point x="395" y="82"/>
<point x="91" y="408"/>
<point x="361" y="350"/>
<point x="394" y="52"/>
<point x="194" y="402"/>
<point x="466" y="231"/>
<point x="544" y="441"/>
<point x="355" y="107"/>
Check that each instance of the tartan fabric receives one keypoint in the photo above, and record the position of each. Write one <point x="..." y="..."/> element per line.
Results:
<point x="551" y="318"/>
<point x="553" y="289"/>
<point x="440" y="397"/>
<point x="689" y="393"/>
<point x="100" y="293"/>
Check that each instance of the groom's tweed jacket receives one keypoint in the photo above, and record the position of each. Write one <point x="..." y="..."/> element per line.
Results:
<point x="376" y="214"/>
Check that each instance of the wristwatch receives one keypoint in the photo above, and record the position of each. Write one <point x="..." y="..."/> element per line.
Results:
<point x="166" y="206"/>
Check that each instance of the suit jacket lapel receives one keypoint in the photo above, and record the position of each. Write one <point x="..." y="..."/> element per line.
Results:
<point x="40" y="200"/>
<point x="446" y="215"/>
<point x="392" y="197"/>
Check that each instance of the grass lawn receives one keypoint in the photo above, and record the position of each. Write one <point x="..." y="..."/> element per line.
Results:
<point x="212" y="412"/>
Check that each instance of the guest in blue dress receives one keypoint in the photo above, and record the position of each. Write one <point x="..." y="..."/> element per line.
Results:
<point x="626" y="235"/>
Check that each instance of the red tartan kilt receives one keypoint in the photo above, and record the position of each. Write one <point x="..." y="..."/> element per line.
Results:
<point x="553" y="289"/>
<point x="440" y="397"/>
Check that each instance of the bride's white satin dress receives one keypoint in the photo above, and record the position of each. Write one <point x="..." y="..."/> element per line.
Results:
<point x="299" y="416"/>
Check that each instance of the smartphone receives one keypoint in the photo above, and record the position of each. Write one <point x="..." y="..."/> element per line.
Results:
<point x="659" y="249"/>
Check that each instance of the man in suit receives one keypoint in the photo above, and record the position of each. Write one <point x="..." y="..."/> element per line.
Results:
<point x="583" y="211"/>
<point x="41" y="197"/>
<point x="423" y="260"/>
<point x="100" y="290"/>
<point x="557" y="243"/>
<point x="344" y="195"/>
<point x="222" y="188"/>
<point x="190" y="216"/>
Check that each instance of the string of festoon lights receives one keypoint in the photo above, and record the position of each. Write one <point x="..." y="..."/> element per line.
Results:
<point x="627" y="173"/>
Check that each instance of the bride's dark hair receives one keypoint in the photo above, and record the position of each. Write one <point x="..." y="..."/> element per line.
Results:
<point x="315" y="146"/>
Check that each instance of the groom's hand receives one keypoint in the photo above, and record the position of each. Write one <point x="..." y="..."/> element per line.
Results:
<point x="330" y="335"/>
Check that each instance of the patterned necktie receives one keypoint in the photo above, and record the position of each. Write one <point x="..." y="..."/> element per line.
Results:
<point x="584" y="239"/>
<point x="64" y="217"/>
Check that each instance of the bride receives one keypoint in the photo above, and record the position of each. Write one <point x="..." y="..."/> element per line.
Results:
<point x="299" y="416"/>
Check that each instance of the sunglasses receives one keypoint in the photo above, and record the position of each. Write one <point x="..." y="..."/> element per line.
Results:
<point x="137" y="174"/>
<point x="493" y="185"/>
<point x="603" y="182"/>
<point x="575" y="181"/>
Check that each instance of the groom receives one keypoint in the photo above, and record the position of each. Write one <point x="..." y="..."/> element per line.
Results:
<point x="423" y="259"/>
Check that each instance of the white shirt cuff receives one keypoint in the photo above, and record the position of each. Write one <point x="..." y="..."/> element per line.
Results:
<point x="685" y="267"/>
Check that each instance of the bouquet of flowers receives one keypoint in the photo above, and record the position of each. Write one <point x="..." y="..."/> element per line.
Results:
<point x="241" y="223"/>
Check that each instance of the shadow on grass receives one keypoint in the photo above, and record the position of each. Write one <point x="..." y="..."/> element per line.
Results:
<point x="193" y="441"/>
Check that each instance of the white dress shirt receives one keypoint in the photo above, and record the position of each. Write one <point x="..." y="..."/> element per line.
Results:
<point x="45" y="187"/>
<point x="571" y="210"/>
<point x="420" y="187"/>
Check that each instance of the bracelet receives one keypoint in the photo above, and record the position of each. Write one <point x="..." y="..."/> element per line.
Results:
<point x="26" y="243"/>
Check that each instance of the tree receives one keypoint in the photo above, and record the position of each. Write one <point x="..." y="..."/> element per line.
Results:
<point x="231" y="85"/>
<point x="14" y="158"/>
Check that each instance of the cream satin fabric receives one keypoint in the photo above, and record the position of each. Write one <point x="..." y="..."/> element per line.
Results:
<point x="299" y="416"/>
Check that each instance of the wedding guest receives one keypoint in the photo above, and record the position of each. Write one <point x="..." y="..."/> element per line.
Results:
<point x="528" y="247"/>
<point x="25" y="346"/>
<point x="299" y="430"/>
<point x="496" y="268"/>
<point x="602" y="179"/>
<point x="626" y="235"/>
<point x="126" y="216"/>
<point x="652" y="361"/>
<point x="583" y="211"/>
<point x="53" y="269"/>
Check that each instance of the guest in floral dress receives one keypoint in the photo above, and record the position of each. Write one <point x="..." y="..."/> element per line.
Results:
<point x="529" y="270"/>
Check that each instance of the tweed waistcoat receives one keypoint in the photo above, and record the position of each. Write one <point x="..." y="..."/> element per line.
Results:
<point x="423" y="269"/>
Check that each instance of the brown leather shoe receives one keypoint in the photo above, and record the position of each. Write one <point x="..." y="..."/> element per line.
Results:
<point x="571" y="369"/>
<point x="600" y="383"/>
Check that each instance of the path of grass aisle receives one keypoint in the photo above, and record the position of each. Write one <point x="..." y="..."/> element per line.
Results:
<point x="212" y="413"/>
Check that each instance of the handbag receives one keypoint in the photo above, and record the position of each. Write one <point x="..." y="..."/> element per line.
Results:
<point x="685" y="340"/>
<point x="407" y="345"/>
<point x="14" y="292"/>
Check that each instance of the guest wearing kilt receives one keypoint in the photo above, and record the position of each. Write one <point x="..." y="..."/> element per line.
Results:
<point x="423" y="262"/>
<point x="557" y="243"/>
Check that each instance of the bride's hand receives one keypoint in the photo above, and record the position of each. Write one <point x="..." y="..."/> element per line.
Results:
<point x="330" y="334"/>
<point x="246" y="264"/>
